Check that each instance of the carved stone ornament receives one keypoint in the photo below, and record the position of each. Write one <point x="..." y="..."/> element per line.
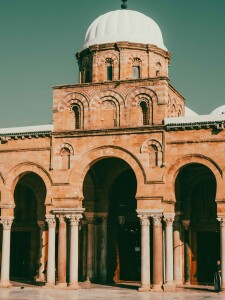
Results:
<point x="7" y="223"/>
<point x="51" y="222"/>
<point x="91" y="220"/>
<point x="144" y="220"/>
<point x="222" y="221"/>
<point x="104" y="220"/>
<point x="61" y="218"/>
<point x="169" y="221"/>
<point x="41" y="225"/>
<point x="75" y="219"/>
<point x="157" y="220"/>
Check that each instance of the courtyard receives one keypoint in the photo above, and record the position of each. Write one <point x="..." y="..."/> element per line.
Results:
<point x="26" y="291"/>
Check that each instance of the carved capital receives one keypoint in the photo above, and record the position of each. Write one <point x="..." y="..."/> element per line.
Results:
<point x="157" y="220"/>
<point x="169" y="219"/>
<point x="90" y="220"/>
<point x="51" y="222"/>
<point x="41" y="225"/>
<point x="104" y="220"/>
<point x="222" y="221"/>
<point x="186" y="224"/>
<point x="144" y="220"/>
<point x="61" y="218"/>
<point x="6" y="223"/>
<point x="75" y="219"/>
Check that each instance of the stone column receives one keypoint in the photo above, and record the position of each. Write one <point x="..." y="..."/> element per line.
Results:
<point x="51" y="251"/>
<point x="5" y="266"/>
<point x="41" y="276"/>
<point x="145" y="253"/>
<point x="103" y="250"/>
<point x="222" y="250"/>
<point x="177" y="252"/>
<point x="186" y="224"/>
<point x="74" y="249"/>
<point x="169" y="285"/>
<point x="61" y="282"/>
<point x="157" y="252"/>
<point x="90" y="248"/>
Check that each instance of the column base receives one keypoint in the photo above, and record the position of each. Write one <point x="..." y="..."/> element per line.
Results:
<point x="74" y="286"/>
<point x="157" y="288"/>
<point x="144" y="288"/>
<point x="187" y="283"/>
<point x="61" y="285"/>
<point x="40" y="279"/>
<point x="169" y="287"/>
<point x="5" y="284"/>
<point x="49" y="285"/>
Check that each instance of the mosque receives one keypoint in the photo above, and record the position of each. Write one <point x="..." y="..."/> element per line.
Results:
<point x="127" y="185"/>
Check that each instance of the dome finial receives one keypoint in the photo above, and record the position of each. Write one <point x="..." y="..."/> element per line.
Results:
<point x="124" y="5"/>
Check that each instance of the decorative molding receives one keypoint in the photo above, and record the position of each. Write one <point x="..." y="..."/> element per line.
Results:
<point x="144" y="220"/>
<point x="157" y="220"/>
<point x="6" y="222"/>
<point x="51" y="222"/>
<point x="74" y="219"/>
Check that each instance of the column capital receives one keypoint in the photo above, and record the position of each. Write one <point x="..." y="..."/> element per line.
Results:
<point x="221" y="219"/>
<point x="41" y="224"/>
<point x="90" y="220"/>
<point x="51" y="222"/>
<point x="6" y="222"/>
<point x="74" y="219"/>
<point x="61" y="218"/>
<point x="144" y="220"/>
<point x="169" y="219"/>
<point x="186" y="224"/>
<point x="157" y="220"/>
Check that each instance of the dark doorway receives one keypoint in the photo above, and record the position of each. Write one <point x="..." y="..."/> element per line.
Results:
<point x="20" y="254"/>
<point x="208" y="252"/>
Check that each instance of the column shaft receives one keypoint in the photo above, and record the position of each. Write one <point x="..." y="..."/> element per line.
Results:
<point x="177" y="254"/>
<point x="62" y="252"/>
<point x="41" y="276"/>
<point x="51" y="252"/>
<point x="145" y="253"/>
<point x="90" y="250"/>
<point x="103" y="250"/>
<point x="7" y="223"/>
<point x="222" y="250"/>
<point x="74" y="223"/>
<point x="157" y="252"/>
<point x="169" y="252"/>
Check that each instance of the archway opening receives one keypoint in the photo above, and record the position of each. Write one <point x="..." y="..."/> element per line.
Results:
<point x="109" y="192"/>
<point x="195" y="195"/>
<point x="26" y="244"/>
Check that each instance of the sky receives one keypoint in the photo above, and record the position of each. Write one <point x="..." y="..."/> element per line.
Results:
<point x="39" y="39"/>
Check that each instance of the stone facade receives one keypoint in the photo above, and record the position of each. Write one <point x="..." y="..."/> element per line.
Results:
<point x="112" y="187"/>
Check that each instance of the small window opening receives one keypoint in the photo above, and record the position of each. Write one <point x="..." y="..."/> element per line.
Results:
<point x="109" y="72"/>
<point x="144" y="109"/>
<point x="76" y="110"/>
<point x="136" y="72"/>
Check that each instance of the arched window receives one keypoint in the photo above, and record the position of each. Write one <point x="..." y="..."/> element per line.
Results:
<point x="136" y="69"/>
<point x="158" y="69"/>
<point x="65" y="158"/>
<point x="109" y="69"/>
<point x="77" y="116"/>
<point x="144" y="112"/>
<point x="153" y="156"/>
<point x="88" y="77"/>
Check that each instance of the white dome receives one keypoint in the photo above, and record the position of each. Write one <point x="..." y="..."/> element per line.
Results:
<point x="124" y="26"/>
<point x="219" y="110"/>
<point x="189" y="112"/>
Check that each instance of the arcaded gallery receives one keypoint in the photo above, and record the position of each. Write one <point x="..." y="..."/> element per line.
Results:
<point x="126" y="185"/>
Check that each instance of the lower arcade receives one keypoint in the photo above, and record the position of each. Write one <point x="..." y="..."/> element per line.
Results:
<point x="110" y="240"/>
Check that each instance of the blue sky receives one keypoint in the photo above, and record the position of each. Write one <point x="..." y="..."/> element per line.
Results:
<point x="39" y="39"/>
